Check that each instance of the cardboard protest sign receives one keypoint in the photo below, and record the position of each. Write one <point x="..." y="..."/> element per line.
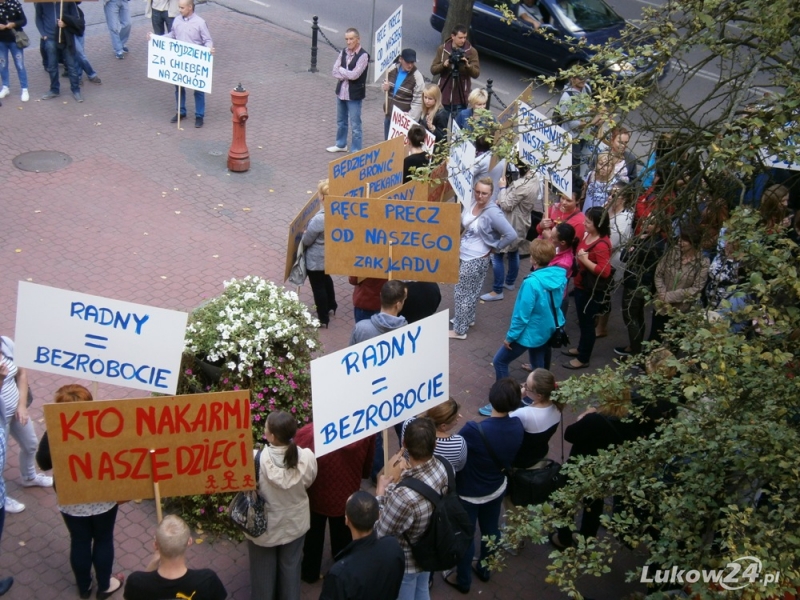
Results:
<point x="180" y="63"/>
<point x="459" y="166"/>
<point x="370" y="386"/>
<point x="442" y="191"/>
<point x="413" y="190"/>
<point x="388" y="42"/>
<point x="400" y="123"/>
<point x="296" y="229"/>
<point x="100" y="339"/>
<point x="392" y="239"/>
<point x="380" y="167"/>
<point x="546" y="147"/>
<point x="116" y="449"/>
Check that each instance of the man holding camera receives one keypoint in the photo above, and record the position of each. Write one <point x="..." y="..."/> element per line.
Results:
<point x="456" y="63"/>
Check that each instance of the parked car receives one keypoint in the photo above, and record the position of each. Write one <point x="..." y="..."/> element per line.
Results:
<point x="568" y="20"/>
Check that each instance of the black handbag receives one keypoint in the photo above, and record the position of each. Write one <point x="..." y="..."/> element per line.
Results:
<point x="534" y="485"/>
<point x="246" y="510"/>
<point x="559" y="339"/>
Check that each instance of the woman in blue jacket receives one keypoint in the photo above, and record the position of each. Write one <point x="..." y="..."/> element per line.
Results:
<point x="532" y="321"/>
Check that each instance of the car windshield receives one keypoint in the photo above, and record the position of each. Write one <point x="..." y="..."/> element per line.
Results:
<point x="586" y="15"/>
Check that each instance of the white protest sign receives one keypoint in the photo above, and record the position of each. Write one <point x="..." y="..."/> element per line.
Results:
<point x="546" y="147"/>
<point x="399" y="125"/>
<point x="388" y="42"/>
<point x="89" y="337"/>
<point x="459" y="166"/>
<point x="367" y="387"/>
<point x="781" y="160"/>
<point x="180" y="63"/>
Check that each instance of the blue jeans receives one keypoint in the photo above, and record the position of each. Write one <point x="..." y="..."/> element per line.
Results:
<point x="348" y="110"/>
<point x="362" y="314"/>
<point x="92" y="543"/>
<point x="414" y="587"/>
<point x="587" y="309"/>
<point x="488" y="518"/>
<point x="162" y="22"/>
<point x="498" y="267"/>
<point x="19" y="63"/>
<point x="52" y="48"/>
<point x="504" y="357"/>
<point x="81" y="60"/>
<point x="118" y="19"/>
<point x="199" y="102"/>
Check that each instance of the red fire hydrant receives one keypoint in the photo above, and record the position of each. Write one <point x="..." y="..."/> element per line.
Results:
<point x="239" y="155"/>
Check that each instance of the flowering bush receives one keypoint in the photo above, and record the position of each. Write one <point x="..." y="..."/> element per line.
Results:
<point x="255" y="336"/>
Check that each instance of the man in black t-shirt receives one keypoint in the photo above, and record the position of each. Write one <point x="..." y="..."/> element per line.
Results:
<point x="167" y="576"/>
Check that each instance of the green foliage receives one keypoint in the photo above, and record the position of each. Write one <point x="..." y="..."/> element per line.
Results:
<point x="254" y="336"/>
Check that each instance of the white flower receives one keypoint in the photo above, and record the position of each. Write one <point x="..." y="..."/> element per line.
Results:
<point x="231" y="365"/>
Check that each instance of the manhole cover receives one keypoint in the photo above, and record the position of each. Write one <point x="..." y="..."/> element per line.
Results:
<point x="42" y="161"/>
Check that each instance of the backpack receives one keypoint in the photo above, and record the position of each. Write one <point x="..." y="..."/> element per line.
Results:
<point x="449" y="532"/>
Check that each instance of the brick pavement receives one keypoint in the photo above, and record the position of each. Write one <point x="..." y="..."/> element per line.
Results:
<point x="150" y="214"/>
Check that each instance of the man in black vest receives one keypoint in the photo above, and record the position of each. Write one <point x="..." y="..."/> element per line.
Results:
<point x="350" y="69"/>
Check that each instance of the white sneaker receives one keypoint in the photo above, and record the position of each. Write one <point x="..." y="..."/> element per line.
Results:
<point x="25" y="96"/>
<point x="40" y="480"/>
<point x="12" y="506"/>
<point x="336" y="149"/>
<point x="509" y="286"/>
<point x="4" y="92"/>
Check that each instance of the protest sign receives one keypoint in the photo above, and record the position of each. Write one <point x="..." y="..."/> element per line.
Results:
<point x="399" y="125"/>
<point x="296" y="229"/>
<point x="546" y="147"/>
<point x="180" y="63"/>
<point x="459" y="166"/>
<point x="117" y="449"/>
<point x="380" y="167"/>
<point x="392" y="239"/>
<point x="388" y="42"/>
<point x="413" y="190"/>
<point x="781" y="160"/>
<point x="441" y="191"/>
<point x="370" y="386"/>
<point x="89" y="337"/>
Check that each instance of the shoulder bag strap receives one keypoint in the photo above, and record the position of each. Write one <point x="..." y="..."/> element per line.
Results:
<point x="553" y="308"/>
<point x="491" y="450"/>
<point x="258" y="464"/>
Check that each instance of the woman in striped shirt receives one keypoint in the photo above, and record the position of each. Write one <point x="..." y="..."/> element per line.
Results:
<point x="450" y="446"/>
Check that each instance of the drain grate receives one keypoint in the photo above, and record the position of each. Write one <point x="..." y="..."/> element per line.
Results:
<point x="42" y="161"/>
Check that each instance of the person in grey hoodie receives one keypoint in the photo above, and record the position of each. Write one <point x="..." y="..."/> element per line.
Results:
<point x="314" y="242"/>
<point x="393" y="297"/>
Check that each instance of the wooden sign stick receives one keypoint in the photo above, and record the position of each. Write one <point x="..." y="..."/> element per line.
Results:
<point x="156" y="489"/>
<point x="179" y="116"/>
<point x="385" y="432"/>
<point x="546" y="199"/>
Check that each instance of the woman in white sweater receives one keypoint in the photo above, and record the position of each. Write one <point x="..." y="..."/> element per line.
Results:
<point x="286" y="472"/>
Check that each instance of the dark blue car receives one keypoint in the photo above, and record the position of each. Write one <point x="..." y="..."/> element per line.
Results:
<point x="568" y="21"/>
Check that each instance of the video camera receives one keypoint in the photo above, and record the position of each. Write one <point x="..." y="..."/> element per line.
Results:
<point x="456" y="57"/>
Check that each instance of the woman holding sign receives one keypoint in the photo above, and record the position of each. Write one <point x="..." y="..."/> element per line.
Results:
<point x="314" y="242"/>
<point x="484" y="229"/>
<point x="90" y="526"/>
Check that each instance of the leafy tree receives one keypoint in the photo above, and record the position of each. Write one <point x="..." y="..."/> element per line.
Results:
<point x="459" y="12"/>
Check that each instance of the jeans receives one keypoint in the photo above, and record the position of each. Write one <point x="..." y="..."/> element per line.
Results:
<point x="362" y="314"/>
<point x="315" y="542"/>
<point x="488" y="518"/>
<point x="498" y="267"/>
<point x="275" y="571"/>
<point x="633" y="317"/>
<point x="387" y="121"/>
<point x="162" y="22"/>
<point x="199" y="102"/>
<point x="81" y="60"/>
<point x="92" y="543"/>
<point x="19" y="63"/>
<point x="348" y="110"/>
<point x="588" y="309"/>
<point x="118" y="19"/>
<point x="414" y="587"/>
<point x="504" y="357"/>
<point x="52" y="48"/>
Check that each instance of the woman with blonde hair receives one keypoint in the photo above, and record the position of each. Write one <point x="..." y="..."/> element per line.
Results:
<point x="314" y="242"/>
<point x="285" y="473"/>
<point x="90" y="526"/>
<point x="434" y="116"/>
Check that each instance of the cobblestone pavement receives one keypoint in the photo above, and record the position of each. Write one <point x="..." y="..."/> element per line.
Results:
<point x="150" y="214"/>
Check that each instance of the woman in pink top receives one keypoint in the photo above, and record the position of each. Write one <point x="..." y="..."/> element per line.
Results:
<point x="566" y="211"/>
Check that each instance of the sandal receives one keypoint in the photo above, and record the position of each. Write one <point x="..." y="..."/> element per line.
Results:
<point x="119" y="579"/>
<point x="526" y="367"/>
<point x="570" y="352"/>
<point x="575" y="364"/>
